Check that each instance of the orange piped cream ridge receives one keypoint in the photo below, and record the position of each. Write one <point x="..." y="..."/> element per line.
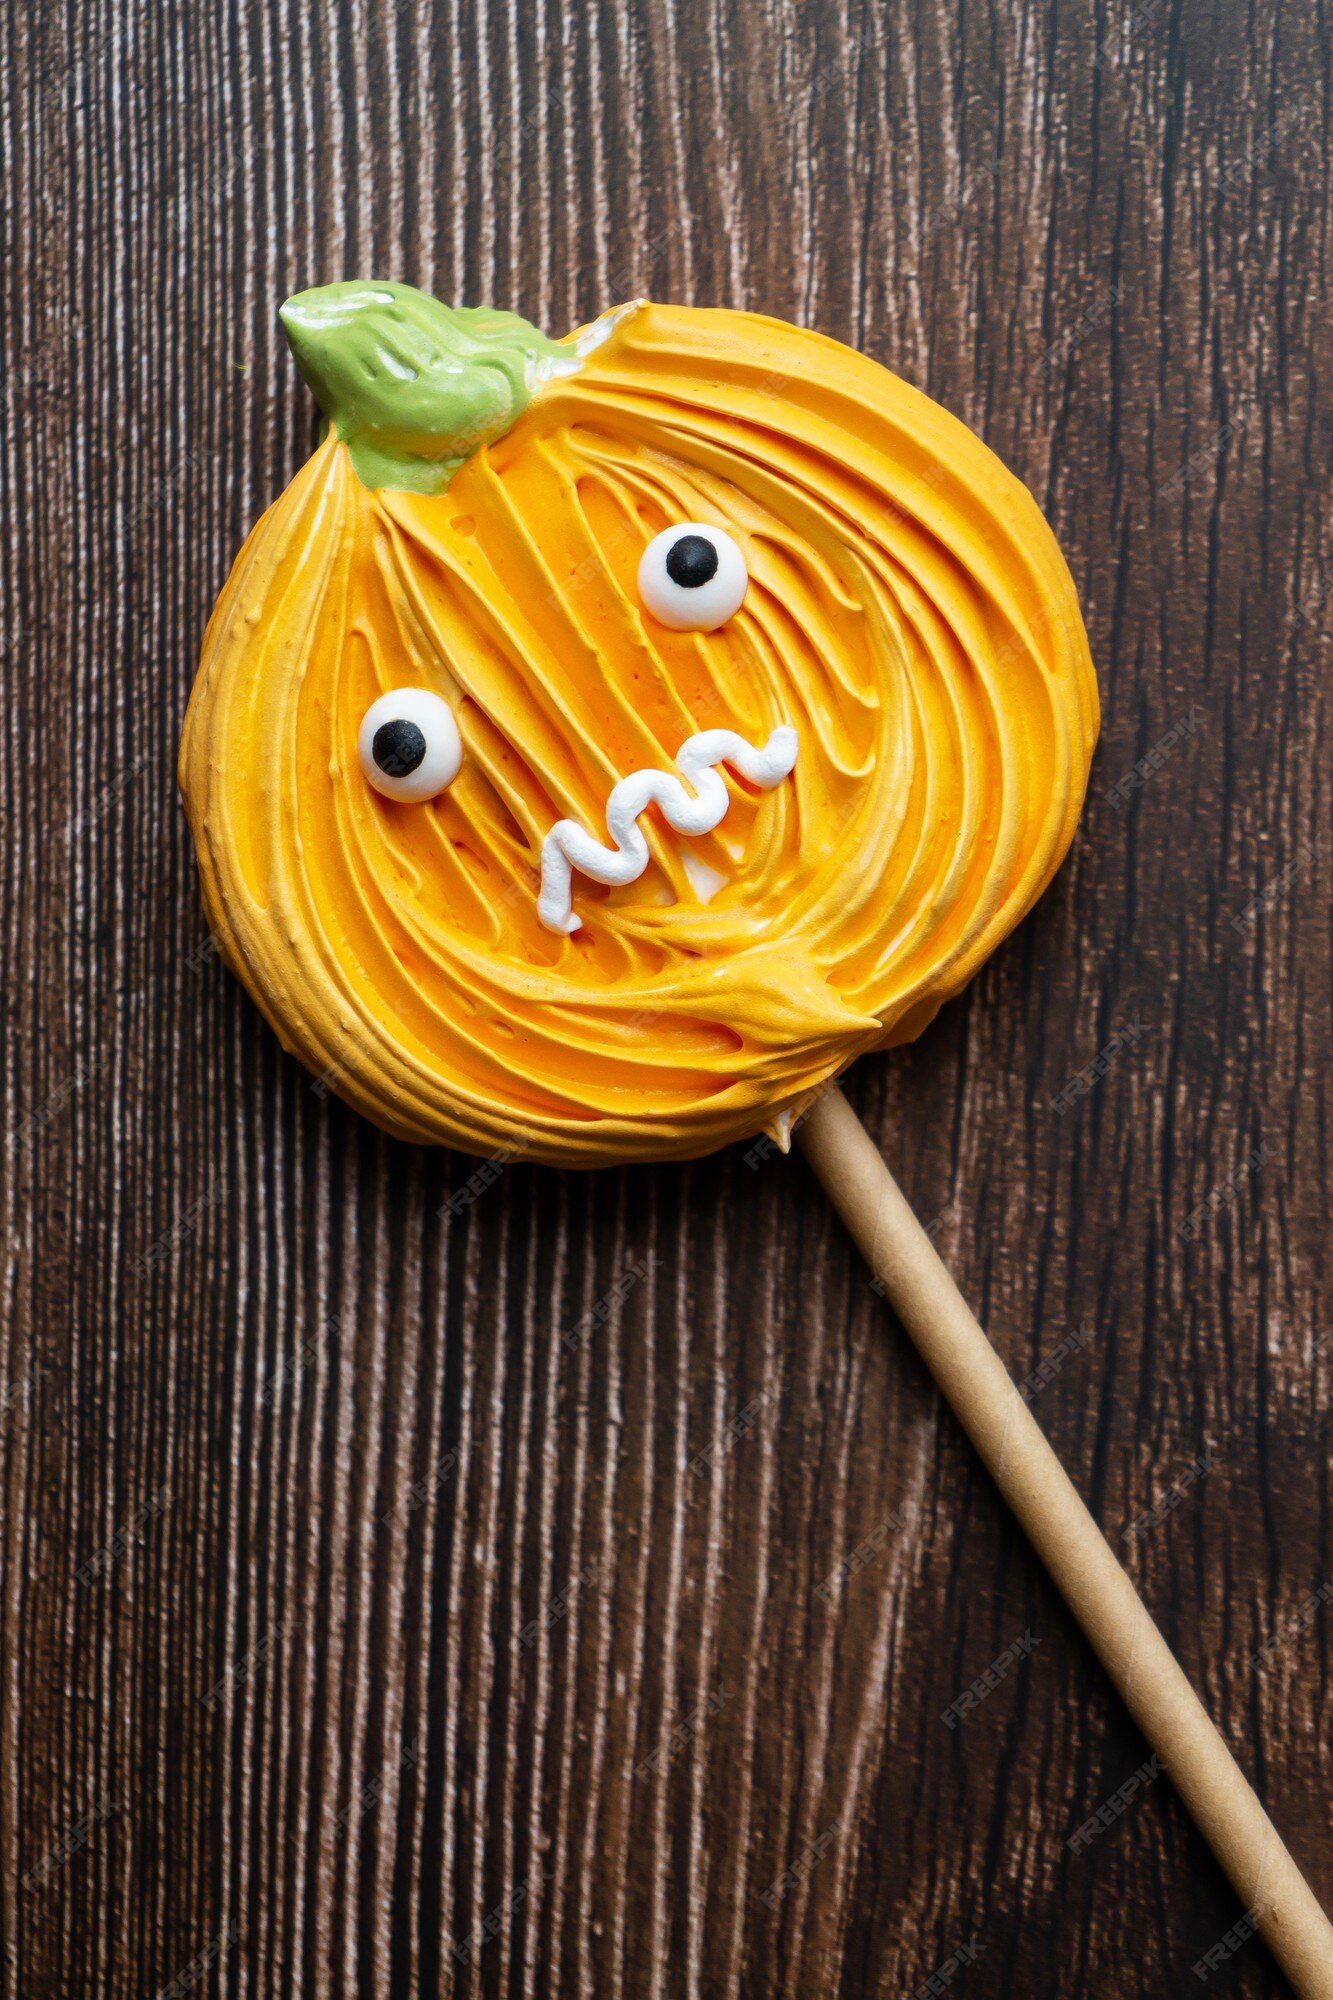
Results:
<point x="908" y="611"/>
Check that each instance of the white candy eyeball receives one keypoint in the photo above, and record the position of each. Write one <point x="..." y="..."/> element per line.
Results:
<point x="692" y="577"/>
<point x="409" y="745"/>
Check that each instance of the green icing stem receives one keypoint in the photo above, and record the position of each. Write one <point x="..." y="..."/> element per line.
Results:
<point x="411" y="386"/>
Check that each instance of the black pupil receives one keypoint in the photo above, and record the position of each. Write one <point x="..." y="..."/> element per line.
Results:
<point x="398" y="748"/>
<point x="691" y="561"/>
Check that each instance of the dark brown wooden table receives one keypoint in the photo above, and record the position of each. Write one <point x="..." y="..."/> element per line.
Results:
<point x="378" y="1616"/>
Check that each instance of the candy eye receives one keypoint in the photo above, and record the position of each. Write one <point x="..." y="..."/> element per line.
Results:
<point x="409" y="746"/>
<point x="692" y="577"/>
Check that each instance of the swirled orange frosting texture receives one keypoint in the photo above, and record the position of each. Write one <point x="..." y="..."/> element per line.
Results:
<point x="908" y="611"/>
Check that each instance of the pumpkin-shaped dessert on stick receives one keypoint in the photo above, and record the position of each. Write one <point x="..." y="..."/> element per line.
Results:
<point x="602" y="742"/>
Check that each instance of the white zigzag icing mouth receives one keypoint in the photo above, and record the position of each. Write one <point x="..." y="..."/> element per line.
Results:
<point x="568" y="846"/>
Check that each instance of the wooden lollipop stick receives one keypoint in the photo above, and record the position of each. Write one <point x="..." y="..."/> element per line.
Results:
<point x="1094" y="1586"/>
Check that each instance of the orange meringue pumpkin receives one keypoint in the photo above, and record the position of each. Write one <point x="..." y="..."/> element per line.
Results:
<point x="474" y="534"/>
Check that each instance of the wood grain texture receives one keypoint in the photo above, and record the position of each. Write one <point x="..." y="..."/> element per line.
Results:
<point x="405" y="1602"/>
